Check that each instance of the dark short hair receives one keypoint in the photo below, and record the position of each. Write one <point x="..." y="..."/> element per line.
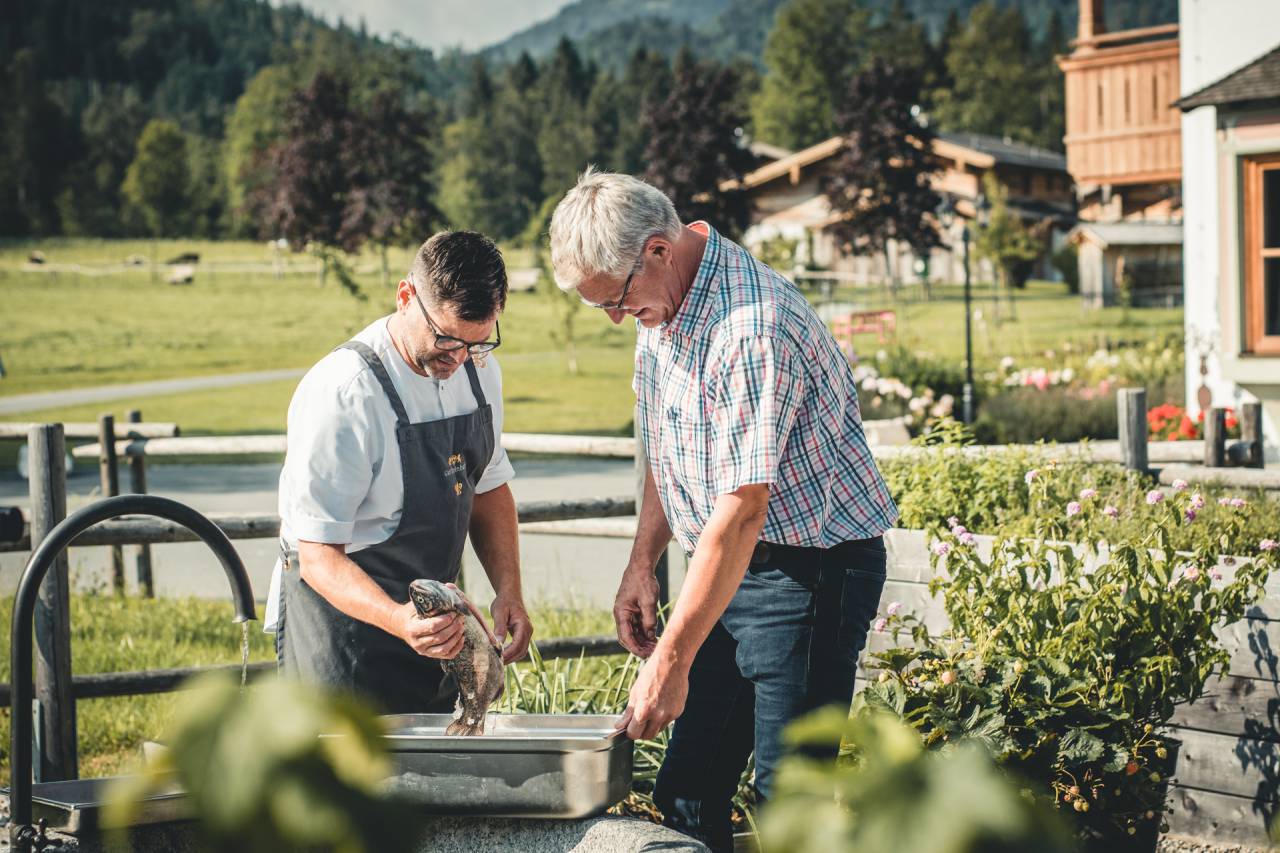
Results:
<point x="463" y="269"/>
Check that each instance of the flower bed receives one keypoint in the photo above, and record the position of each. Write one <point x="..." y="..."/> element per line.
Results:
<point x="1070" y="637"/>
<point x="1066" y="394"/>
<point x="1168" y="422"/>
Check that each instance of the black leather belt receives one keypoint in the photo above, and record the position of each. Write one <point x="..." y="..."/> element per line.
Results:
<point x="765" y="551"/>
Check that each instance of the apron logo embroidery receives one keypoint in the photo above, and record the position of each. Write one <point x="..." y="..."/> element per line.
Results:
<point x="455" y="465"/>
<point x="457" y="488"/>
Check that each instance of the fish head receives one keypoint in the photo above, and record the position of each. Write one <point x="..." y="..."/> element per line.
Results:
<point x="432" y="598"/>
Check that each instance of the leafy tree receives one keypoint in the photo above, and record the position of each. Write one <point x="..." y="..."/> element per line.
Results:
<point x="478" y="98"/>
<point x="646" y="81"/>
<point x="477" y="189"/>
<point x="565" y="142"/>
<point x="255" y="124"/>
<point x="880" y="188"/>
<point x="990" y="63"/>
<point x="36" y="141"/>
<point x="1051" y="88"/>
<point x="1005" y="241"/>
<point x="813" y="49"/>
<point x="208" y="189"/>
<point x="899" y="39"/>
<point x="109" y="127"/>
<point x="157" y="183"/>
<point x="307" y="204"/>
<point x="694" y="153"/>
<point x="391" y="199"/>
<point x="490" y="173"/>
<point x="937" y="76"/>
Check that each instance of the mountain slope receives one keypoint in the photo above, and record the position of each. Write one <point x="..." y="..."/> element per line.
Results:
<point x="585" y="18"/>
<point x="608" y="30"/>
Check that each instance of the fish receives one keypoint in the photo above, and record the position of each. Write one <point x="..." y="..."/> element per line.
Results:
<point x="478" y="667"/>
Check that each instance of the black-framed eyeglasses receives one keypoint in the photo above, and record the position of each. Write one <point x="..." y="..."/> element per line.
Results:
<point x="626" y="286"/>
<point x="448" y="343"/>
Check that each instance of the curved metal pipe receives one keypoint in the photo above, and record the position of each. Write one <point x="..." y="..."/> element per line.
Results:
<point x="24" y="606"/>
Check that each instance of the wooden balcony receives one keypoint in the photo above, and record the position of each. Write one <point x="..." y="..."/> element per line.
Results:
<point x="1122" y="127"/>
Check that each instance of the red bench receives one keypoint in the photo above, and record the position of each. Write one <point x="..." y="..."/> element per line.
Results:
<point x="883" y="323"/>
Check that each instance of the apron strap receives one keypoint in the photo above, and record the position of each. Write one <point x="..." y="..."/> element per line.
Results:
<point x="384" y="379"/>
<point x="481" y="402"/>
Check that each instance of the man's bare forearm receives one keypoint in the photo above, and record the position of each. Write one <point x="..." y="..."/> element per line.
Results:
<point x="496" y="539"/>
<point x="653" y="534"/>
<point x="716" y="570"/>
<point x="330" y="572"/>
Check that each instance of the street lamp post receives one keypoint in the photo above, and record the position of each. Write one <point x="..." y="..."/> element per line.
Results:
<point x="947" y="216"/>
<point x="966" y="400"/>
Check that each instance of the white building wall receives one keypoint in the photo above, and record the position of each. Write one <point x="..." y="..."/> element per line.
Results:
<point x="1216" y="38"/>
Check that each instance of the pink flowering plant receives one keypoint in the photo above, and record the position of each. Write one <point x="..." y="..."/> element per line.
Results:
<point x="1070" y="648"/>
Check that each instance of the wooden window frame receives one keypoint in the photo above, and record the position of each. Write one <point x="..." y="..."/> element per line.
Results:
<point x="1256" y="343"/>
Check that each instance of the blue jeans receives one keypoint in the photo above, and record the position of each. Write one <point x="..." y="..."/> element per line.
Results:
<point x="787" y="644"/>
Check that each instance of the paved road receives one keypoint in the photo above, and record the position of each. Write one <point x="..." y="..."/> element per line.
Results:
<point x="559" y="570"/>
<point x="80" y="396"/>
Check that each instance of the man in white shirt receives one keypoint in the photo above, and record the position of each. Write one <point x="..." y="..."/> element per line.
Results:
<point x="394" y="456"/>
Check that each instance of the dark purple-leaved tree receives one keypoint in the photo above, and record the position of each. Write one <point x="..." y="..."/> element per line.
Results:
<point x="879" y="189"/>
<point x="391" y="195"/>
<point x="307" y="202"/>
<point x="694" y="153"/>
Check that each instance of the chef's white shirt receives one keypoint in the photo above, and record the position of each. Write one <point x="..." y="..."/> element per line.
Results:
<point x="341" y="482"/>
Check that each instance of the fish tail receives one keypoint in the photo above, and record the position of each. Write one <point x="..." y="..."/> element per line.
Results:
<point x="460" y="728"/>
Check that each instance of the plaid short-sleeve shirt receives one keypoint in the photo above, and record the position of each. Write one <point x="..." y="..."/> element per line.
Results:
<point x="746" y="385"/>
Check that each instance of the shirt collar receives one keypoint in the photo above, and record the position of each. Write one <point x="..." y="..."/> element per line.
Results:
<point x="696" y="307"/>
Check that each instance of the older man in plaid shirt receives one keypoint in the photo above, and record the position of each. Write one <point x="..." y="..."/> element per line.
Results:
<point x="758" y="465"/>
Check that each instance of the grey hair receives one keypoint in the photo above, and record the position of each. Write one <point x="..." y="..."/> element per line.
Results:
<point x="601" y="225"/>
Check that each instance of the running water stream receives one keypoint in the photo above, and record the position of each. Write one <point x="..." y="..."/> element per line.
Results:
<point x="244" y="655"/>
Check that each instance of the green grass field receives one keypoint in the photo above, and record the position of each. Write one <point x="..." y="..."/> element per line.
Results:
<point x="108" y="324"/>
<point x="115" y="634"/>
<point x="1044" y="317"/>
<point x="70" y="330"/>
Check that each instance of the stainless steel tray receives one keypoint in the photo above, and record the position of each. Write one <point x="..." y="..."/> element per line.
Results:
<point x="74" y="807"/>
<point x="524" y="765"/>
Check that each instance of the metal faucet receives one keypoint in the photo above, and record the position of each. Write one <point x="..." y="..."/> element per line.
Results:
<point x="22" y="834"/>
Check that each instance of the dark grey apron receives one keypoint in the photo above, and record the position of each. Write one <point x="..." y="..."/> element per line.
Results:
<point x="441" y="463"/>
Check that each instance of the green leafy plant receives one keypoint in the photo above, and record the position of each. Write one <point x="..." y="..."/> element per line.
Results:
<point x="1019" y="490"/>
<point x="1067" y="659"/>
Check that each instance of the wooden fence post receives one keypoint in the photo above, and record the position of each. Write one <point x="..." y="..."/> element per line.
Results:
<point x="1251" y="431"/>
<point x="662" y="569"/>
<point x="1215" y="438"/>
<point x="138" y="485"/>
<point x="56" y="756"/>
<point x="109" y="473"/>
<point x="1131" y="405"/>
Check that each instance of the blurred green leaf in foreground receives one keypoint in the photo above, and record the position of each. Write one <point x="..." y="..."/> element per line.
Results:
<point x="261" y="778"/>
<point x="889" y="794"/>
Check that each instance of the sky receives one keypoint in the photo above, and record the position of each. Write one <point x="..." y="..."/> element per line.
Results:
<point x="440" y="23"/>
